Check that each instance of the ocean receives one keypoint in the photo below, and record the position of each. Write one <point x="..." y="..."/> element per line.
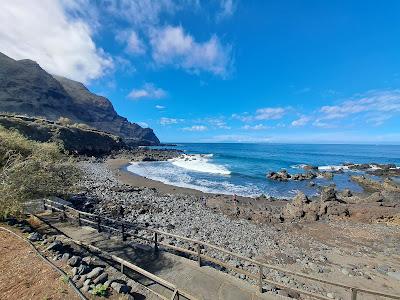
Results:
<point x="239" y="168"/>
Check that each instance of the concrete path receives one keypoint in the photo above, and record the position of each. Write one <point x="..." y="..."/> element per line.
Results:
<point x="200" y="282"/>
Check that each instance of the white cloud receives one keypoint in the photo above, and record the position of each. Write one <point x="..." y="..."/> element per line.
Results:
<point x="228" y="8"/>
<point x="134" y="44"/>
<point x="270" y="113"/>
<point x="45" y="32"/>
<point x="216" y="122"/>
<point x="196" y="128"/>
<point x="143" y="124"/>
<point x="160" y="107"/>
<point x="140" y="13"/>
<point x="169" y="121"/>
<point x="375" y="107"/>
<point x="148" y="91"/>
<point x="255" y="127"/>
<point x="171" y="45"/>
<point x="386" y="101"/>
<point x="267" y="113"/>
<point x="239" y="138"/>
<point x="245" y="117"/>
<point x="302" y="121"/>
<point x="321" y="124"/>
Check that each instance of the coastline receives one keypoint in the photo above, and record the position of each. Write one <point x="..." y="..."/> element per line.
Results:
<point x="299" y="245"/>
<point x="118" y="167"/>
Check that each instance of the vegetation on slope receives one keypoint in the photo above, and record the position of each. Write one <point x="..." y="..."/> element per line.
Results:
<point x="30" y="170"/>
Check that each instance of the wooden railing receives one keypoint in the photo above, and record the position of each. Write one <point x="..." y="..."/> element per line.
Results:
<point x="124" y="264"/>
<point x="123" y="227"/>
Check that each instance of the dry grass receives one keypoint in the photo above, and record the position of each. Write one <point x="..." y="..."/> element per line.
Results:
<point x="30" y="169"/>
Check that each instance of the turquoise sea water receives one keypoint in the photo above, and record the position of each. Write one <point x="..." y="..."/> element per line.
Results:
<point x="242" y="168"/>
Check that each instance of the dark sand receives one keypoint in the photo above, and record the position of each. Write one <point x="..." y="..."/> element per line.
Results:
<point x="118" y="167"/>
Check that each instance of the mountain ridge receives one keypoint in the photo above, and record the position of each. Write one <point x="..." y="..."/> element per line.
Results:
<point x="25" y="88"/>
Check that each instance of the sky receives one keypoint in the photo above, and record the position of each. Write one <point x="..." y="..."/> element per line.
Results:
<point x="284" y="71"/>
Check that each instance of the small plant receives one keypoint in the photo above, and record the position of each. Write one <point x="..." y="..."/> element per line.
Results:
<point x="65" y="279"/>
<point x="100" y="290"/>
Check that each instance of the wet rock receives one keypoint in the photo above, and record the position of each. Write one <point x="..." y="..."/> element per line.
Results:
<point x="310" y="167"/>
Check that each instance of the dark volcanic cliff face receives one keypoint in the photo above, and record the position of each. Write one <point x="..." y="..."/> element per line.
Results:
<point x="25" y="88"/>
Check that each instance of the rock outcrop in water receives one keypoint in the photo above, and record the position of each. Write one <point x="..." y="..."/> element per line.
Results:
<point x="25" y="88"/>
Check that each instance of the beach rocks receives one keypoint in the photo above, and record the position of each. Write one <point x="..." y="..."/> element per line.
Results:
<point x="74" y="261"/>
<point x="283" y="175"/>
<point x="95" y="272"/>
<point x="34" y="237"/>
<point x="369" y="184"/>
<point x="120" y="288"/>
<point x="310" y="167"/>
<point x="54" y="246"/>
<point x="328" y="194"/>
<point x="301" y="208"/>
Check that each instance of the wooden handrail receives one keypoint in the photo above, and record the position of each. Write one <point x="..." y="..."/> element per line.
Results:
<point x="352" y="289"/>
<point x="137" y="269"/>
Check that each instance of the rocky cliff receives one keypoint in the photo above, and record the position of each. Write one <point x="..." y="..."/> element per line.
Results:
<point x="25" y="88"/>
<point x="75" y="139"/>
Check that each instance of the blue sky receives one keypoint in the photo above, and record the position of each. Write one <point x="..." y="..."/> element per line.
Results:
<point x="226" y="71"/>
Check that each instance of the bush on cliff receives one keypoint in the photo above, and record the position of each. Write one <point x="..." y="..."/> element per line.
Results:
<point x="30" y="169"/>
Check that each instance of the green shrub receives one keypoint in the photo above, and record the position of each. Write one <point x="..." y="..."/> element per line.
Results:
<point x="31" y="170"/>
<point x="100" y="290"/>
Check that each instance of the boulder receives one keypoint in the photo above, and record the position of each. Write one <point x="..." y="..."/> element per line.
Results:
<point x="65" y="257"/>
<point x="120" y="288"/>
<point x="101" y="278"/>
<point x="54" y="246"/>
<point x="347" y="193"/>
<point x="328" y="194"/>
<point x="310" y="167"/>
<point x="34" y="237"/>
<point x="95" y="272"/>
<point x="74" y="261"/>
<point x="82" y="269"/>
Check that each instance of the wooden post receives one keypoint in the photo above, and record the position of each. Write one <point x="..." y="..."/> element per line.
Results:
<point x="260" y="278"/>
<point x="122" y="267"/>
<point x="198" y="254"/>
<point x="79" y="219"/>
<point x="98" y="224"/>
<point x="44" y="204"/>
<point x="64" y="213"/>
<point x="353" y="294"/>
<point x="52" y="208"/>
<point x="155" y="242"/>
<point x="123" y="232"/>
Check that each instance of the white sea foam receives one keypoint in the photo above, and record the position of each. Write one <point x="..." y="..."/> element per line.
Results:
<point x="333" y="168"/>
<point x="199" y="163"/>
<point x="168" y="173"/>
<point x="300" y="166"/>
